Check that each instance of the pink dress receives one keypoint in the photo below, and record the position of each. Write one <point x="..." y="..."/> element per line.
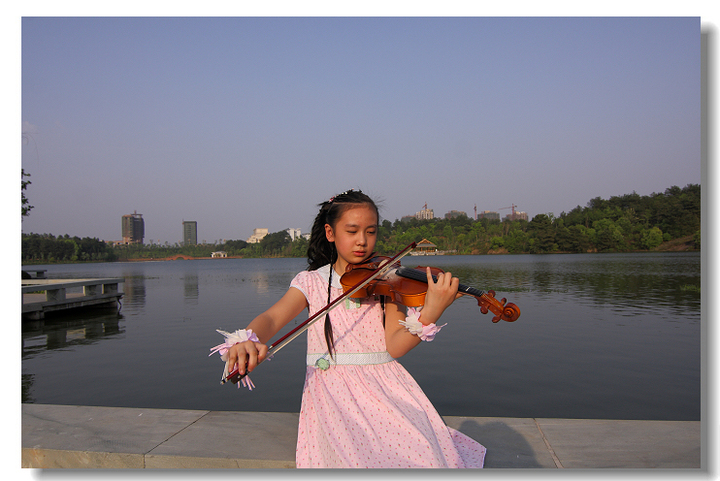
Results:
<point x="369" y="415"/>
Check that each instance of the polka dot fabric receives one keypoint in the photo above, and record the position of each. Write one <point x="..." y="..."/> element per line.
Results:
<point x="369" y="416"/>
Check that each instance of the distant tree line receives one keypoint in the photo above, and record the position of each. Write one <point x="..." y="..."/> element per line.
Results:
<point x="619" y="224"/>
<point x="48" y="248"/>
<point x="233" y="248"/>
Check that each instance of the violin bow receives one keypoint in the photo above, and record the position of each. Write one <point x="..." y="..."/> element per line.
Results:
<point x="290" y="336"/>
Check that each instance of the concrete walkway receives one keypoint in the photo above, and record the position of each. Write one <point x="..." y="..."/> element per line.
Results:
<point x="57" y="436"/>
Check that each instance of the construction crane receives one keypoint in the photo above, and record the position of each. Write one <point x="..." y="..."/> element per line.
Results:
<point x="512" y="206"/>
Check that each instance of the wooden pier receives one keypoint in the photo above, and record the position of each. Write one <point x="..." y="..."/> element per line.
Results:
<point x="41" y="296"/>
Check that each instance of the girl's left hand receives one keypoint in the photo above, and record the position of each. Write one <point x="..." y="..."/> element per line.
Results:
<point x="439" y="296"/>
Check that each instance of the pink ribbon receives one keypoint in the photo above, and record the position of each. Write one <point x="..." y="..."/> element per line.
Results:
<point x="429" y="331"/>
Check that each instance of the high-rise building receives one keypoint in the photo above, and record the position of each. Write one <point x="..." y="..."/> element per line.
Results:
<point x="517" y="215"/>
<point x="425" y="214"/>
<point x="488" y="214"/>
<point x="454" y="214"/>
<point x="133" y="228"/>
<point x="189" y="232"/>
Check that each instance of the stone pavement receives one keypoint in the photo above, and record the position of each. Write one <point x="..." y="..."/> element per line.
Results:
<point x="58" y="436"/>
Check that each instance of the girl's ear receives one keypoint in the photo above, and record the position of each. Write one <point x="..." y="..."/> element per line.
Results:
<point x="329" y="233"/>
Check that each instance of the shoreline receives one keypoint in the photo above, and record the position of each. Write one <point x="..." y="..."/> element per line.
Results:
<point x="183" y="257"/>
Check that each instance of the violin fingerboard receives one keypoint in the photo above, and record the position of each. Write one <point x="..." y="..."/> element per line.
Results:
<point x="422" y="277"/>
<point x="470" y="290"/>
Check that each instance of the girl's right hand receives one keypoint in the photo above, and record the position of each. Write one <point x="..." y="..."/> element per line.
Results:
<point x="245" y="356"/>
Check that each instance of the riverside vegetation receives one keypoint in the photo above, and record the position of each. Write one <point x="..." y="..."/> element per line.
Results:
<point x="668" y="221"/>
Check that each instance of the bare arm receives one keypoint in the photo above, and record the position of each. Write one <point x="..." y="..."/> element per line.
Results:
<point x="266" y="325"/>
<point x="439" y="296"/>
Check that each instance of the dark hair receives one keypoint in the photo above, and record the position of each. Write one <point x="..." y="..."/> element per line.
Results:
<point x="321" y="251"/>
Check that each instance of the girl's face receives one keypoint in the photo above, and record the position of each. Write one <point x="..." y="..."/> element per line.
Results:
<point x="354" y="235"/>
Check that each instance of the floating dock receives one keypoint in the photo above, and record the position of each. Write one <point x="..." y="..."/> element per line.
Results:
<point x="41" y="296"/>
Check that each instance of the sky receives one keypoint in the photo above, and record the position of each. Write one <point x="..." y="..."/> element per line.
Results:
<point x="246" y="122"/>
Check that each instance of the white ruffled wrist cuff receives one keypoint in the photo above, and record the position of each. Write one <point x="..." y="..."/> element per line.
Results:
<point x="232" y="338"/>
<point x="414" y="326"/>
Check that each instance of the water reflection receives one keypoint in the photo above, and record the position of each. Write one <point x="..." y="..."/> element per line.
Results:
<point x="261" y="282"/>
<point x="646" y="281"/>
<point x="192" y="289"/>
<point x="69" y="331"/>
<point x="134" y="291"/>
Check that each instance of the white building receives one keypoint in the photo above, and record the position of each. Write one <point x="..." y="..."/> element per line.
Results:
<point x="257" y="235"/>
<point x="294" y="233"/>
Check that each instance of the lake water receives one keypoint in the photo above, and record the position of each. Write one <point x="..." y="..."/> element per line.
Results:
<point x="605" y="336"/>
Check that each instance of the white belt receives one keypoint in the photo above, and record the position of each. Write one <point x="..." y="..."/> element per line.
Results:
<point x="323" y="361"/>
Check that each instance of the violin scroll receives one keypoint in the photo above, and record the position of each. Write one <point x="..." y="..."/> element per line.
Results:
<point x="503" y="310"/>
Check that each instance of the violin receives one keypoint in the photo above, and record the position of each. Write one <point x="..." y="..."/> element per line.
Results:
<point x="408" y="286"/>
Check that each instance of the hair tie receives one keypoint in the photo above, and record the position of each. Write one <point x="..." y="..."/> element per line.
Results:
<point x="344" y="193"/>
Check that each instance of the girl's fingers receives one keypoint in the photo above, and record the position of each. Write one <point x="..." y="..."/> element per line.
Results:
<point x="444" y="279"/>
<point x="444" y="291"/>
<point x="250" y="355"/>
<point x="237" y="356"/>
<point x="262" y="351"/>
<point x="429" y="276"/>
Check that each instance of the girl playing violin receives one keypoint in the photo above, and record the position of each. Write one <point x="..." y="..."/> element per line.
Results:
<point x="360" y="408"/>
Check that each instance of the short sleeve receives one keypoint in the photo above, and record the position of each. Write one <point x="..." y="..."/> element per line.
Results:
<point x="301" y="282"/>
